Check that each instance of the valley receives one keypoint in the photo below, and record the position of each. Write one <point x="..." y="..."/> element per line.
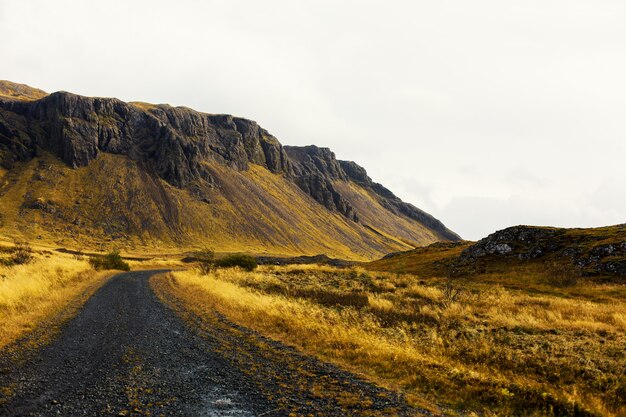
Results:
<point x="269" y="280"/>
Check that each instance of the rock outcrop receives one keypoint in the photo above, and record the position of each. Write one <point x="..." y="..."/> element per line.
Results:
<point x="314" y="171"/>
<point x="522" y="242"/>
<point x="591" y="251"/>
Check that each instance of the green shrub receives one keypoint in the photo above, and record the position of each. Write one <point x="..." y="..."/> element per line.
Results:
<point x="112" y="260"/>
<point x="246" y="262"/>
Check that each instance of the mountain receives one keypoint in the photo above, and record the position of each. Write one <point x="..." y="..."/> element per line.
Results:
<point x="564" y="255"/>
<point x="93" y="172"/>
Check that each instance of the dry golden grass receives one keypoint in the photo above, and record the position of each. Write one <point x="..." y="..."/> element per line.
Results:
<point x="427" y="261"/>
<point x="143" y="106"/>
<point x="469" y="345"/>
<point x="33" y="293"/>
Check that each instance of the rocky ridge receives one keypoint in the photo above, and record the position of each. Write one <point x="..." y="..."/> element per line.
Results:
<point x="316" y="168"/>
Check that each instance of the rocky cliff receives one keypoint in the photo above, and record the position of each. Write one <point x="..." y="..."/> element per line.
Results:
<point x="317" y="169"/>
<point x="172" y="142"/>
<point x="183" y="148"/>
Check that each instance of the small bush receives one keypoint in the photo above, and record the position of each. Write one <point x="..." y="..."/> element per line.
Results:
<point x="21" y="254"/>
<point x="112" y="260"/>
<point x="450" y="294"/>
<point x="206" y="260"/>
<point x="246" y="262"/>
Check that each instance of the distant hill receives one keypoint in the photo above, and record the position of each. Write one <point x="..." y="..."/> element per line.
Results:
<point x="95" y="172"/>
<point x="560" y="254"/>
<point x="15" y="91"/>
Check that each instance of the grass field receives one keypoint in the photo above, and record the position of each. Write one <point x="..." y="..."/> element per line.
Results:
<point x="466" y="344"/>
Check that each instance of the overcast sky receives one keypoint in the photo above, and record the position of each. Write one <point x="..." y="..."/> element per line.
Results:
<point x="484" y="113"/>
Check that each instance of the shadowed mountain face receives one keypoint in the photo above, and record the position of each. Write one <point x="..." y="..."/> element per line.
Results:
<point x="149" y="174"/>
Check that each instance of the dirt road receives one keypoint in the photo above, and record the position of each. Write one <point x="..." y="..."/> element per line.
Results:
<point x="126" y="353"/>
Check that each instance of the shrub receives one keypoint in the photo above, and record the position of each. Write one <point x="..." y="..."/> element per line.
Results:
<point x="450" y="293"/>
<point x="112" y="260"/>
<point x="21" y="254"/>
<point x="206" y="260"/>
<point x="246" y="262"/>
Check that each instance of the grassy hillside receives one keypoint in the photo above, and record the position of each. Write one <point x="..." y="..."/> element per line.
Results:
<point x="554" y="256"/>
<point x="377" y="218"/>
<point x="429" y="261"/>
<point x="15" y="91"/>
<point x="114" y="202"/>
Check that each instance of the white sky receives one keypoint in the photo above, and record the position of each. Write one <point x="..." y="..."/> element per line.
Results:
<point x="486" y="113"/>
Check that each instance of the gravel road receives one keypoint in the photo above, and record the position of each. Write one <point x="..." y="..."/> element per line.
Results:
<point x="128" y="354"/>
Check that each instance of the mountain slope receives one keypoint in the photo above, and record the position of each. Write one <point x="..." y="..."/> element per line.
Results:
<point x="15" y="91"/>
<point x="87" y="171"/>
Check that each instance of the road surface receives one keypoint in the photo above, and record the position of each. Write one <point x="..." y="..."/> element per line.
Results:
<point x="128" y="354"/>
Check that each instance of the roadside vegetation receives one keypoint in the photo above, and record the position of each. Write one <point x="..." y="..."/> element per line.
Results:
<point x="112" y="260"/>
<point x="37" y="286"/>
<point x="21" y="253"/>
<point x="237" y="260"/>
<point x="448" y="344"/>
<point x="207" y="261"/>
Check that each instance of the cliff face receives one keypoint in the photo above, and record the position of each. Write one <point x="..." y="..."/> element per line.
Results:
<point x="182" y="147"/>
<point x="314" y="171"/>
<point x="317" y="169"/>
<point x="172" y="142"/>
<point x="391" y="202"/>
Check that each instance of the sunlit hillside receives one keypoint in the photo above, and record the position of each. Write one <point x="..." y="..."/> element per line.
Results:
<point x="112" y="202"/>
<point x="95" y="173"/>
